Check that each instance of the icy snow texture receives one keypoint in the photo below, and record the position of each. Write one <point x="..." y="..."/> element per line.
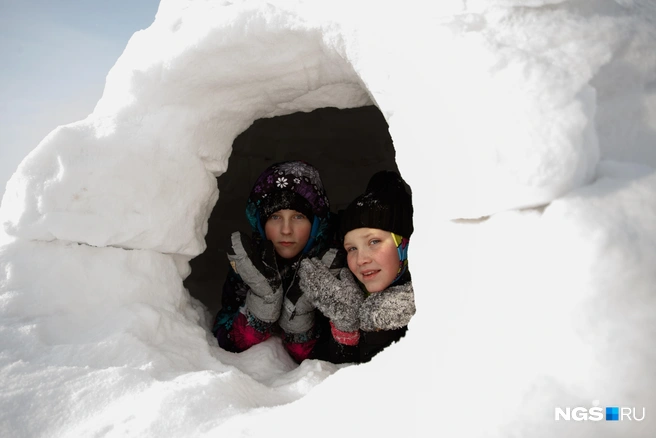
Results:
<point x="494" y="108"/>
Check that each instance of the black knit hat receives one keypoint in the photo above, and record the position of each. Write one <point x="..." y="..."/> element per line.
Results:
<point x="385" y="205"/>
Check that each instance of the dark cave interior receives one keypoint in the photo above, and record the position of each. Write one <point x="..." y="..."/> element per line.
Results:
<point x="347" y="146"/>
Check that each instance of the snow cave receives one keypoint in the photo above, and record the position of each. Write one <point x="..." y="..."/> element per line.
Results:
<point x="525" y="130"/>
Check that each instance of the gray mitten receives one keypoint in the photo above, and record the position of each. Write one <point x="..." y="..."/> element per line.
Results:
<point x="388" y="310"/>
<point x="297" y="317"/>
<point x="335" y="259"/>
<point x="259" y="272"/>
<point x="339" y="298"/>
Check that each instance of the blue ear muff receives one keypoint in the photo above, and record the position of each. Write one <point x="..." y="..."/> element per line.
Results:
<point x="402" y="249"/>
<point x="313" y="235"/>
<point x="259" y="225"/>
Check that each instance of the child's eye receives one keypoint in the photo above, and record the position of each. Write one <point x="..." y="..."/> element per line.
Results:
<point x="274" y="217"/>
<point x="374" y="241"/>
<point x="299" y="216"/>
<point x="350" y="248"/>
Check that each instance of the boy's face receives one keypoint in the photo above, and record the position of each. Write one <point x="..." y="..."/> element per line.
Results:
<point x="372" y="257"/>
<point x="289" y="231"/>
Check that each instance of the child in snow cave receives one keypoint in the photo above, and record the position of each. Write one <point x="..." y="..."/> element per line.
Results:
<point x="288" y="211"/>
<point x="370" y="303"/>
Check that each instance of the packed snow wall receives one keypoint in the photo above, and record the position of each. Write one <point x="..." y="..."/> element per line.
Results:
<point x="500" y="119"/>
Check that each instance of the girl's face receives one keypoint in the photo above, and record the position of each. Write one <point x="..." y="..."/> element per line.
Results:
<point x="289" y="231"/>
<point x="372" y="257"/>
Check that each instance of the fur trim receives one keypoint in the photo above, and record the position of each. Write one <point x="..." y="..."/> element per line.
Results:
<point x="388" y="310"/>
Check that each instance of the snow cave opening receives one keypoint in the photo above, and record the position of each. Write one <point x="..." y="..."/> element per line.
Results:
<point x="347" y="146"/>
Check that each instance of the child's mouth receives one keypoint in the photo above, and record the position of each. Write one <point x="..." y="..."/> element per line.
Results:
<point x="368" y="275"/>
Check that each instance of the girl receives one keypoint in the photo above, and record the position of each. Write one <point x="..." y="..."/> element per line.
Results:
<point x="289" y="215"/>
<point x="369" y="304"/>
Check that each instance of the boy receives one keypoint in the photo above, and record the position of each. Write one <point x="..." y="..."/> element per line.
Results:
<point x="288" y="211"/>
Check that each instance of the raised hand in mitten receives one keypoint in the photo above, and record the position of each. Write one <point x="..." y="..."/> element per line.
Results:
<point x="297" y="315"/>
<point x="388" y="310"/>
<point x="258" y="270"/>
<point x="335" y="259"/>
<point x="339" y="298"/>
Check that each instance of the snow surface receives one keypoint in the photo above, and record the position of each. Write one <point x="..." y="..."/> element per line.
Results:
<point x="527" y="131"/>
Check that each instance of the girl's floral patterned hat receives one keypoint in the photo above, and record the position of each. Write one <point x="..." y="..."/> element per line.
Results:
<point x="292" y="185"/>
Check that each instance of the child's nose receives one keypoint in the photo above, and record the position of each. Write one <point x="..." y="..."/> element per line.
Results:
<point x="286" y="228"/>
<point x="363" y="257"/>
